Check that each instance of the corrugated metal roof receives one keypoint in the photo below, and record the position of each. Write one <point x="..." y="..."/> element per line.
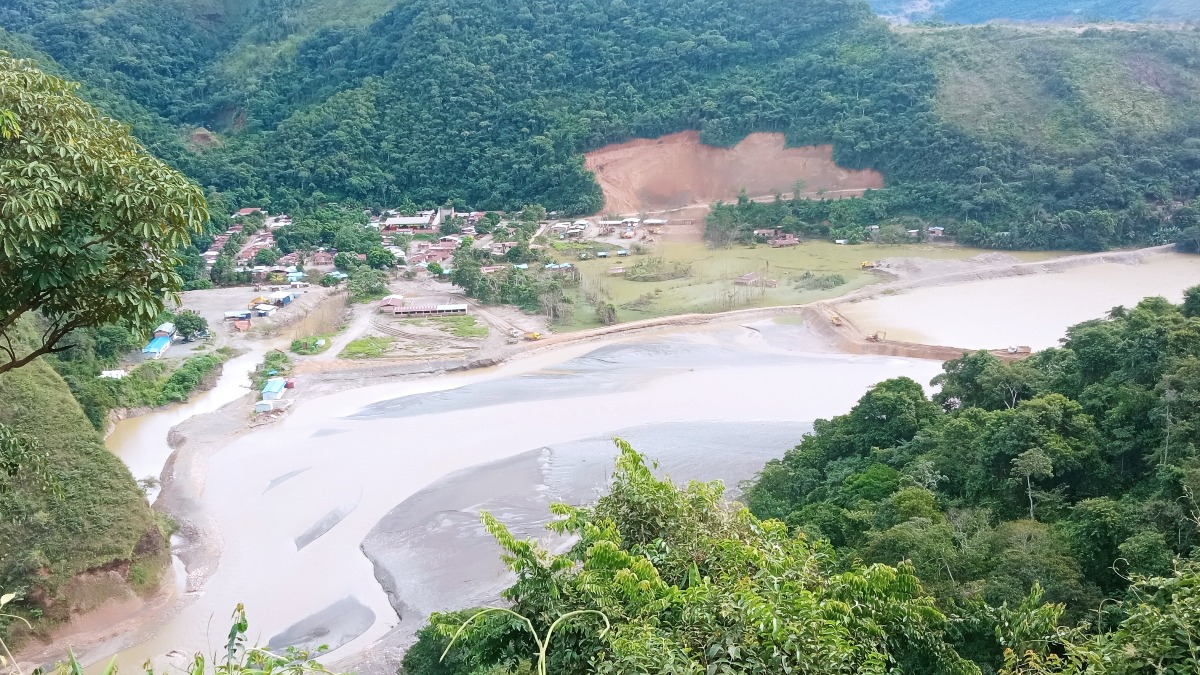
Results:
<point x="274" y="385"/>
<point x="157" y="345"/>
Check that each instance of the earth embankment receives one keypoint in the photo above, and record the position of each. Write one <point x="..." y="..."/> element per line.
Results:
<point x="677" y="171"/>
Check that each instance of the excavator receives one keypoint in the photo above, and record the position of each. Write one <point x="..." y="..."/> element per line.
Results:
<point x="868" y="264"/>
<point x="879" y="336"/>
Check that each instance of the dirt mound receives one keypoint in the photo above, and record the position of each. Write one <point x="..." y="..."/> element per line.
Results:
<point x="203" y="139"/>
<point x="676" y="171"/>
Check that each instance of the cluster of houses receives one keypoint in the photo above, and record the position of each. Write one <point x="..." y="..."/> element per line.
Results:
<point x="630" y="227"/>
<point x="570" y="230"/>
<point x="438" y="252"/>
<point x="264" y="238"/>
<point x="425" y="221"/>
<point x="261" y="306"/>
<point x="776" y="238"/>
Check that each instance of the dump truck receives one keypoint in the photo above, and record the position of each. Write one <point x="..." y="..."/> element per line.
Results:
<point x="533" y="336"/>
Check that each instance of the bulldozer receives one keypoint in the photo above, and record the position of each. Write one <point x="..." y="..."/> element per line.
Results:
<point x="868" y="265"/>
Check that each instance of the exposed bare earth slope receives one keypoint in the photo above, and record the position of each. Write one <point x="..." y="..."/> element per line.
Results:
<point x="678" y="170"/>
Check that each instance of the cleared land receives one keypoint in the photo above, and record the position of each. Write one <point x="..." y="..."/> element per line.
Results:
<point x="676" y="171"/>
<point x="711" y="288"/>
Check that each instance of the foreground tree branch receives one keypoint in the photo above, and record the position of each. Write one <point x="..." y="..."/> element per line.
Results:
<point x="90" y="223"/>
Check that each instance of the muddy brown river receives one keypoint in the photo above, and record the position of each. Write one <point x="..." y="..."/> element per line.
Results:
<point x="1028" y="310"/>
<point x="354" y="517"/>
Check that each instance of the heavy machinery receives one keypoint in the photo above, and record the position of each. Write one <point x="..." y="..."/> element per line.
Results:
<point x="868" y="264"/>
<point x="835" y="319"/>
<point x="533" y="336"/>
<point x="879" y="336"/>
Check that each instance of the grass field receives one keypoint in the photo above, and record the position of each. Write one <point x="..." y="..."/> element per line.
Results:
<point x="710" y="287"/>
<point x="367" y="348"/>
<point x="313" y="344"/>
<point x="458" y="326"/>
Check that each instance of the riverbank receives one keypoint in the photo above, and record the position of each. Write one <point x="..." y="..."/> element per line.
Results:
<point x="337" y="388"/>
<point x="206" y="383"/>
<point x="900" y="274"/>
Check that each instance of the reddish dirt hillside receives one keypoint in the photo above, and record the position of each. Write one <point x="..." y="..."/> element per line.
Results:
<point x="677" y="170"/>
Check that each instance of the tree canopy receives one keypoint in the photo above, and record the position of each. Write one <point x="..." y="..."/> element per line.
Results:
<point x="692" y="584"/>
<point x="91" y="225"/>
<point x="1009" y="138"/>
<point x="1076" y="469"/>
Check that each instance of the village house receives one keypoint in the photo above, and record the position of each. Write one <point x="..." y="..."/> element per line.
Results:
<point x="273" y="389"/>
<point x="438" y="256"/>
<point x="430" y="310"/>
<point x="157" y="347"/>
<point x="390" y="303"/>
<point x="248" y="211"/>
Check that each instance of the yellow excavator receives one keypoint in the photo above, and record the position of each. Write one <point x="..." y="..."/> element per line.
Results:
<point x="868" y="264"/>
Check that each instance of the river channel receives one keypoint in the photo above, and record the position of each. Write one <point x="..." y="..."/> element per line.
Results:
<point x="357" y="514"/>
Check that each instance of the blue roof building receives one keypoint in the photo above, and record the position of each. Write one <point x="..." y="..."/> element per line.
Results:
<point x="273" y="389"/>
<point x="157" y="346"/>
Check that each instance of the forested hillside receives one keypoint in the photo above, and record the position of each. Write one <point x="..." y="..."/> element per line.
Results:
<point x="979" y="11"/>
<point x="1056" y="139"/>
<point x="1075" y="468"/>
<point x="90" y="517"/>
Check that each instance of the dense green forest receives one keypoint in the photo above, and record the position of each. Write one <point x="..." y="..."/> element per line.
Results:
<point x="1075" y="468"/>
<point x="1009" y="138"/>
<point x="980" y="11"/>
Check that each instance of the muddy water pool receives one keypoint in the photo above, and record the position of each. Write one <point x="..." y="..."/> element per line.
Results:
<point x="1032" y="310"/>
